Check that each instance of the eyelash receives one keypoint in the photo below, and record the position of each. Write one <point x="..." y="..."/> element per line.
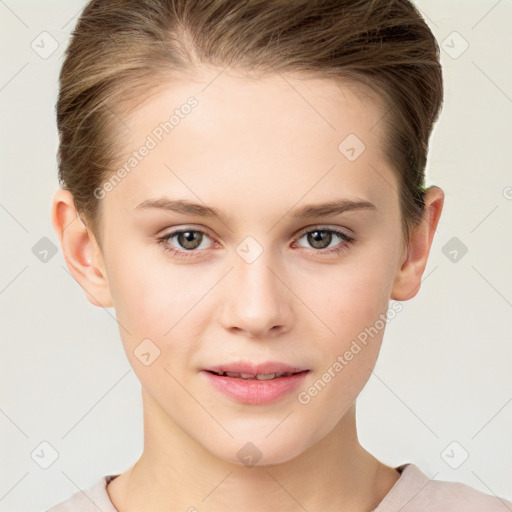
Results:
<point x="342" y="247"/>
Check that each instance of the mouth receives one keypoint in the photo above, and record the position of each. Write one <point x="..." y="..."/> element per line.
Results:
<point x="252" y="376"/>
<point x="256" y="384"/>
<point x="249" y="370"/>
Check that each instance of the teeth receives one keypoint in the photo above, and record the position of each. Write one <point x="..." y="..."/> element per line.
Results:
<point x="267" y="376"/>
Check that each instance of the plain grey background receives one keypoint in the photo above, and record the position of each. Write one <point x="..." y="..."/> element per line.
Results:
<point x="441" y="393"/>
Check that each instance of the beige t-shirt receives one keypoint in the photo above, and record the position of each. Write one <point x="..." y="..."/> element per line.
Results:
<point x="412" y="492"/>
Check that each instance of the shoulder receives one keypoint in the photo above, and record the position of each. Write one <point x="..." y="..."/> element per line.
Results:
<point x="90" y="500"/>
<point x="415" y="492"/>
<point x="458" y="497"/>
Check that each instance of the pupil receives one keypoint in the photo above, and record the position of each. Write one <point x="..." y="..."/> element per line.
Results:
<point x="186" y="239"/>
<point x="317" y="237"/>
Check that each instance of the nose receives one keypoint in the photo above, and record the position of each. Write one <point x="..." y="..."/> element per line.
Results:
<point x="257" y="300"/>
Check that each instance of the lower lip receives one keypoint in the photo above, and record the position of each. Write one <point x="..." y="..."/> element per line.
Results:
<point x="256" y="392"/>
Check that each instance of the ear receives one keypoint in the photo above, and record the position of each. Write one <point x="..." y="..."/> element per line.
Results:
<point x="408" y="279"/>
<point x="80" y="249"/>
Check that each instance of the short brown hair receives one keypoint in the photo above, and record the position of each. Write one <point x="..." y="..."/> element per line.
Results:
<point x="121" y="50"/>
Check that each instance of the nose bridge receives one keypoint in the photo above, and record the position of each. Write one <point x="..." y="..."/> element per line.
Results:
<point x="256" y="300"/>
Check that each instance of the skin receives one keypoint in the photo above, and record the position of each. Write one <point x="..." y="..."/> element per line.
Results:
<point x="257" y="151"/>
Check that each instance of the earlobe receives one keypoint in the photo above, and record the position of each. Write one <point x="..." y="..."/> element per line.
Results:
<point x="80" y="249"/>
<point x="408" y="278"/>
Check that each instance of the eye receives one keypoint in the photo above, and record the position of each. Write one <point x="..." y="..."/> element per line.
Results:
<point x="187" y="240"/>
<point x="321" y="238"/>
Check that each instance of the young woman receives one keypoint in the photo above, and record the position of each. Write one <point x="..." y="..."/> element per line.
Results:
<point x="243" y="181"/>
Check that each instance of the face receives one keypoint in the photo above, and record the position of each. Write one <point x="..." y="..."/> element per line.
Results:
<point x="271" y="278"/>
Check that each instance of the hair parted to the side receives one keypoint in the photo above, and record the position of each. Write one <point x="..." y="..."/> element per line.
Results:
<point x="122" y="50"/>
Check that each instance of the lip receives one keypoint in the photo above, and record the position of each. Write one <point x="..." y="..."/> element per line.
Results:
<point x="253" y="391"/>
<point x="256" y="369"/>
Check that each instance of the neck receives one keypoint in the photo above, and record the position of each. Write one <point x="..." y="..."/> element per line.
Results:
<point x="175" y="472"/>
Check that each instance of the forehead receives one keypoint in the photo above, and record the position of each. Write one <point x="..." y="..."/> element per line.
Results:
<point x="279" y="135"/>
<point x="231" y="99"/>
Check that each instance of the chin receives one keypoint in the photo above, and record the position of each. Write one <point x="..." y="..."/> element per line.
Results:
<point x="260" y="451"/>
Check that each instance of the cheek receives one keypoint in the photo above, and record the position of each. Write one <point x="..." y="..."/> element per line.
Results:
<point x="148" y="291"/>
<point x="350" y="297"/>
<point x="160" y="301"/>
<point x="352" y="304"/>
<point x="354" y="309"/>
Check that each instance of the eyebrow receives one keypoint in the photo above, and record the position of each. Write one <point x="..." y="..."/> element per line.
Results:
<point x="310" y="210"/>
<point x="332" y="208"/>
<point x="182" y="206"/>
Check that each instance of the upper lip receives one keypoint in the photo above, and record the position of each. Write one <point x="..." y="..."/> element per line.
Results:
<point x="256" y="369"/>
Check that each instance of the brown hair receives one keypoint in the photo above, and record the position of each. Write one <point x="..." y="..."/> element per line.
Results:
<point x="122" y="50"/>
